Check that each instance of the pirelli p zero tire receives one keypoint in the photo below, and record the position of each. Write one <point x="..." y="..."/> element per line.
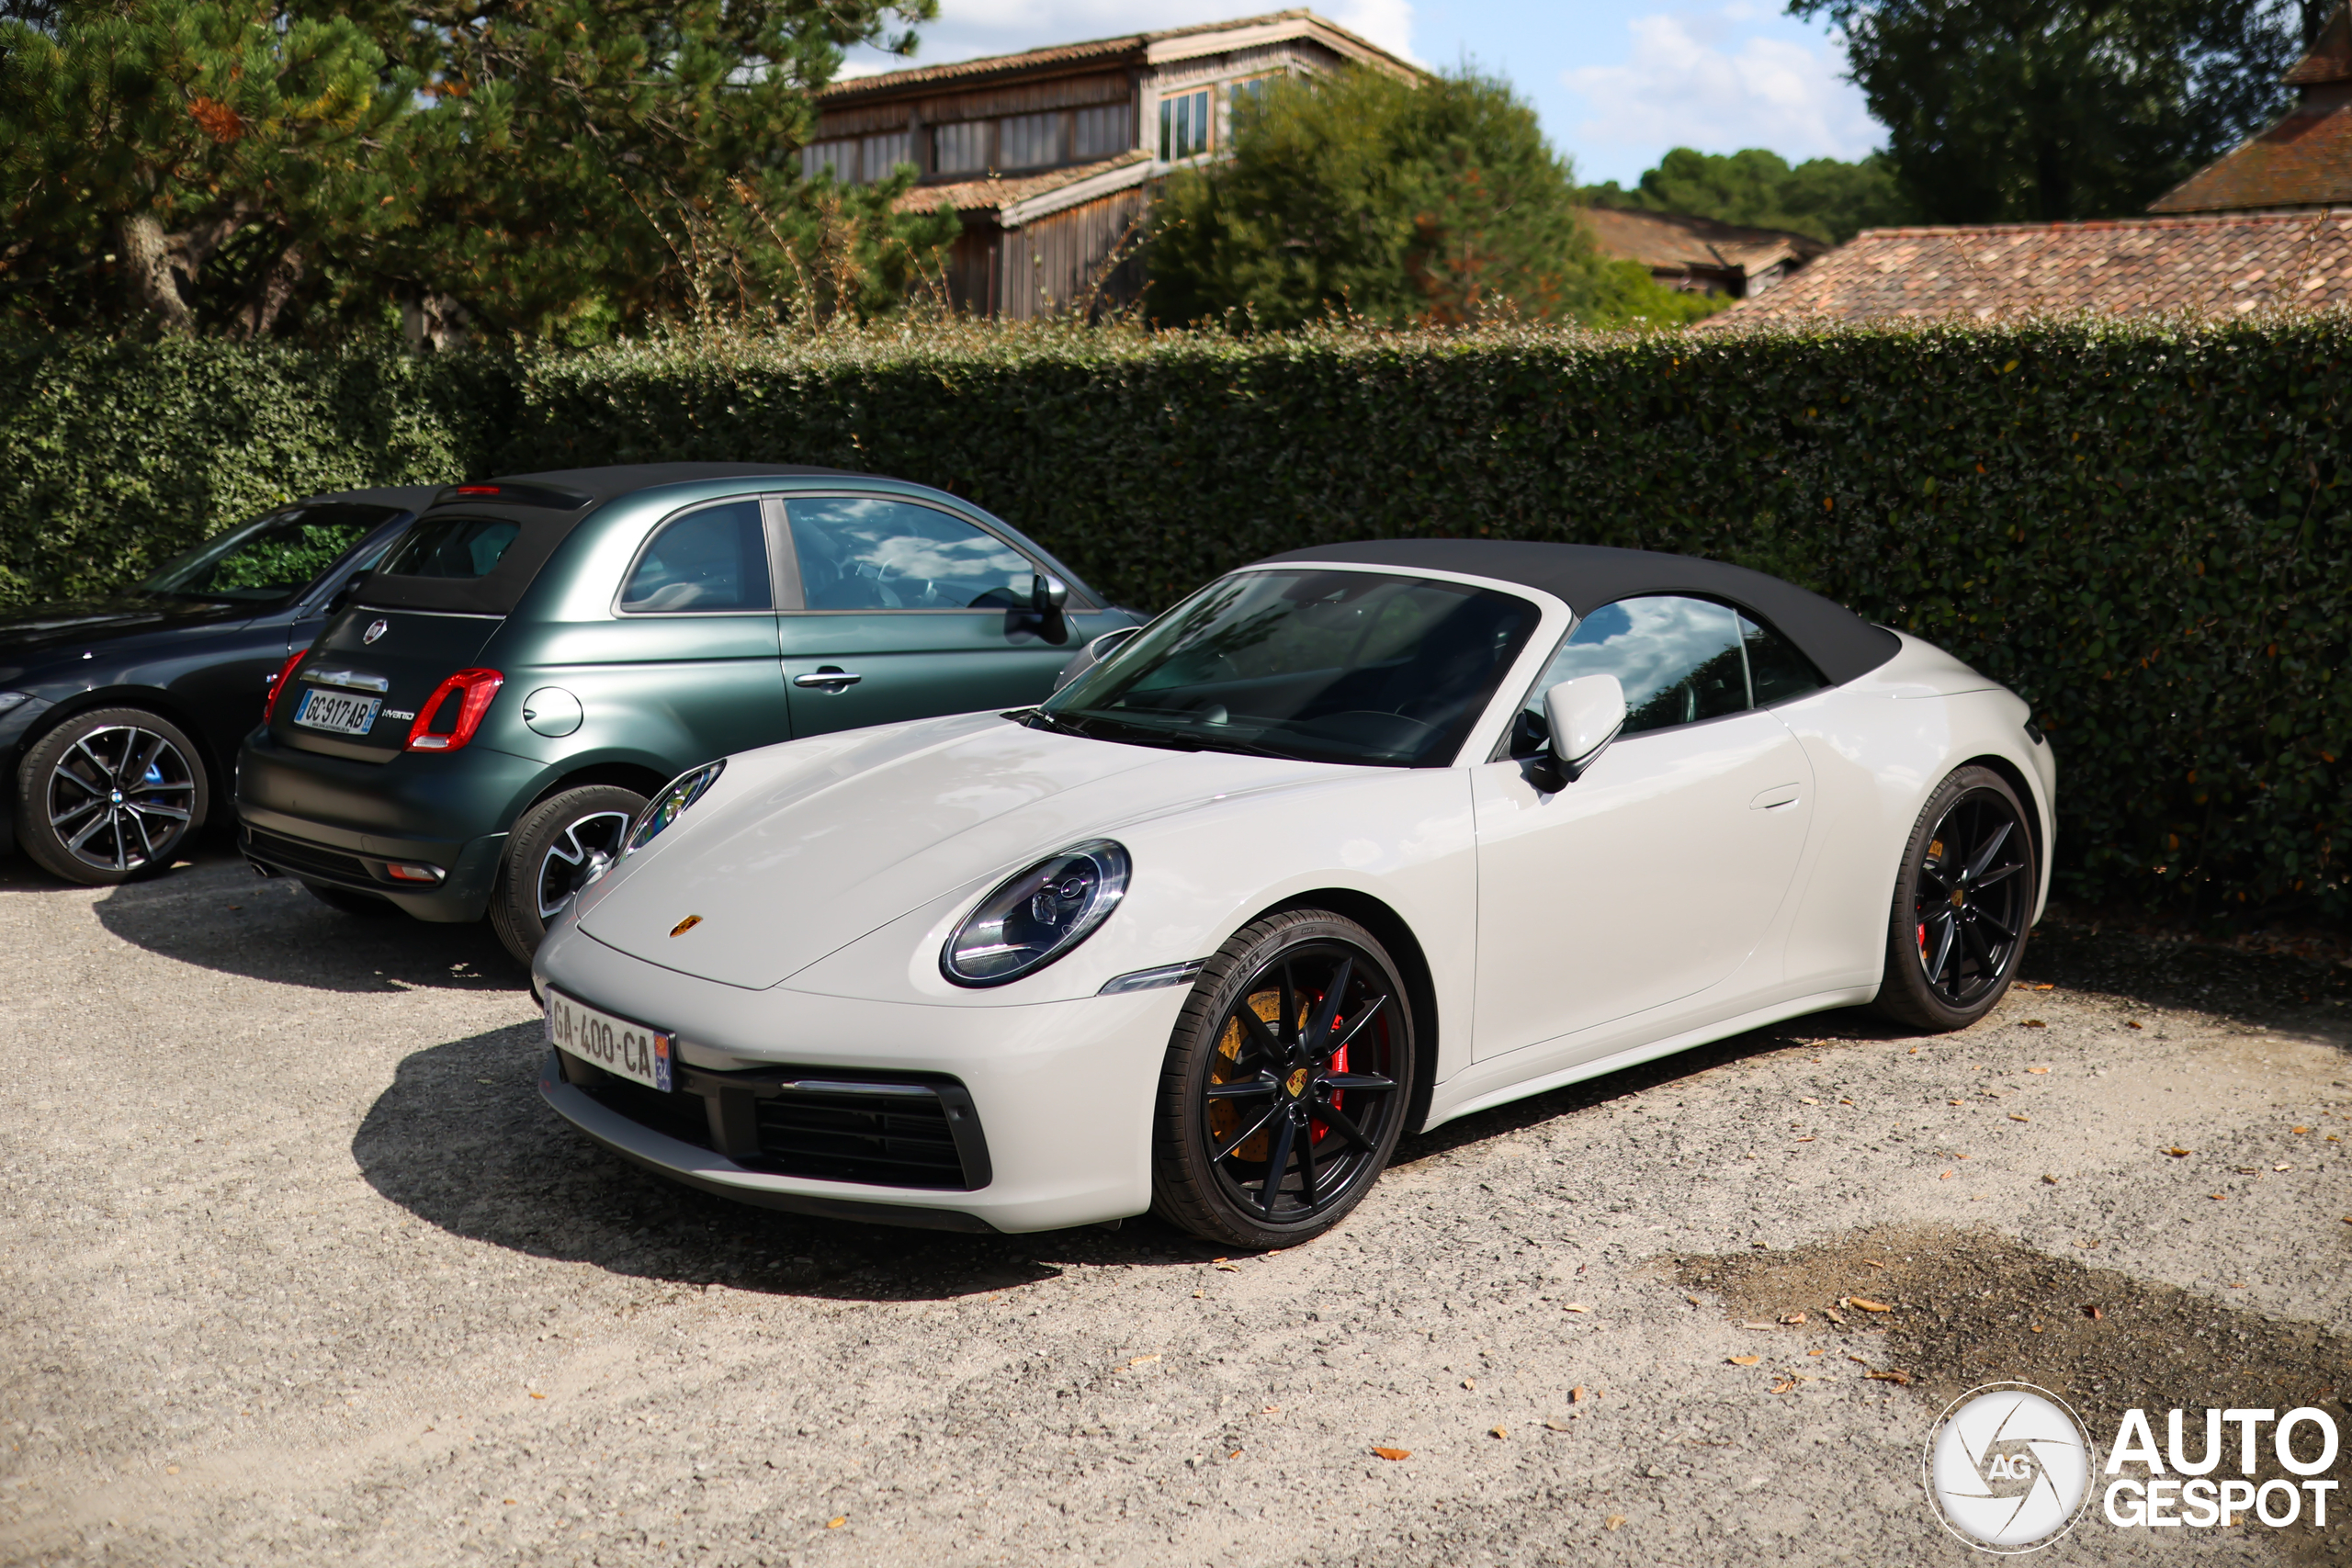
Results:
<point x="554" y="849"/>
<point x="1962" y="901"/>
<point x="110" y="795"/>
<point x="1285" y="1085"/>
<point x="366" y="906"/>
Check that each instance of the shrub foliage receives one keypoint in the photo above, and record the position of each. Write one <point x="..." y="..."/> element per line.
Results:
<point x="2143" y="529"/>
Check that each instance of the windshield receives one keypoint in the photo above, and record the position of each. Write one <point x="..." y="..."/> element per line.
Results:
<point x="1324" y="666"/>
<point x="271" y="559"/>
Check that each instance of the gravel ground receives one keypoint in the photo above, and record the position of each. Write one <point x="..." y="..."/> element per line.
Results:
<point x="298" y="1269"/>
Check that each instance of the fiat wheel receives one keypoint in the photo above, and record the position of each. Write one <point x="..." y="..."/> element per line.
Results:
<point x="1963" y="902"/>
<point x="1287" y="1083"/>
<point x="556" y="850"/>
<point x="110" y="796"/>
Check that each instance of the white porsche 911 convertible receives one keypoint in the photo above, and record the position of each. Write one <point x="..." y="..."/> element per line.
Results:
<point x="1352" y="841"/>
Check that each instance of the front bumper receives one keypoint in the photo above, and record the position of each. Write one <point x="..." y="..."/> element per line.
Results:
<point x="338" y="820"/>
<point x="1060" y="1094"/>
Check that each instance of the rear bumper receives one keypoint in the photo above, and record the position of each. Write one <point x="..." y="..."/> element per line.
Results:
<point x="342" y="821"/>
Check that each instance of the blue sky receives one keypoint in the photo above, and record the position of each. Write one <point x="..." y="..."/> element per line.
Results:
<point x="1617" y="81"/>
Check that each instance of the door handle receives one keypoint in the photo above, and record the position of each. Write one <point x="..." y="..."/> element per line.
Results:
<point x="1779" y="794"/>
<point x="831" y="678"/>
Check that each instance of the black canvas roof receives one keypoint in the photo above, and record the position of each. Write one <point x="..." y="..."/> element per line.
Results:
<point x="1588" y="576"/>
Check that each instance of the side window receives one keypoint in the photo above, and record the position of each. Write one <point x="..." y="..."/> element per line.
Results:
<point x="1678" y="659"/>
<point x="1776" y="671"/>
<point x="867" y="553"/>
<point x="714" y="558"/>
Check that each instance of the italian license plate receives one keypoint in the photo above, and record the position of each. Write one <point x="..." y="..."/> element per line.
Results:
<point x="339" y="713"/>
<point x="623" y="1049"/>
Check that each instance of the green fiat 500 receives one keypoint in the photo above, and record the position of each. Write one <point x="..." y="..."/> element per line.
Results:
<point x="536" y="656"/>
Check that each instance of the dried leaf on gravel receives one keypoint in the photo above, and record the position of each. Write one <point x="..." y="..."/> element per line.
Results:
<point x="1873" y="1263"/>
<point x="2037" y="1069"/>
<point x="1693" y="1300"/>
<point x="1228" y="1268"/>
<point x="1140" y="1360"/>
<point x="2016" y="1116"/>
<point x="2299" y="1129"/>
<point x="1808" y="1099"/>
<point x="1576" y="1306"/>
<point x="2180" y="1154"/>
<point x="1831" y="1313"/>
<point x="2092" y="1312"/>
<point x="1745" y="1360"/>
<point x="1498" y="1432"/>
<point x="2048" y="1180"/>
<point x="1901" y="1378"/>
<point x="2043" y="987"/>
<point x="2219" y="1197"/>
<point x="2133" y="1024"/>
<point x="1792" y="1319"/>
<point x="1556" y="1426"/>
<point x="834" y="1524"/>
<point x="1612" y="1521"/>
<point x="1393" y="1454"/>
<point x="1945" y="1177"/>
<point x="2282" y="1168"/>
<point x="1806" y="1139"/>
<point x="1868" y="1305"/>
<point x="2034" y="1023"/>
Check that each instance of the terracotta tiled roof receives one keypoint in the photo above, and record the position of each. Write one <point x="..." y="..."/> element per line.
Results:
<point x="2212" y="266"/>
<point x="2305" y="159"/>
<point x="989" y="194"/>
<point x="1668" y="240"/>
<point x="1134" y="48"/>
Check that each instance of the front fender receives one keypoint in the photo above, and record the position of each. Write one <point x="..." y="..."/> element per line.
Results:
<point x="1404" y="837"/>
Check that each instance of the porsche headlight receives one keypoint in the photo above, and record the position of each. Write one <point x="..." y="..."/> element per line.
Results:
<point x="1037" y="916"/>
<point x="667" y="807"/>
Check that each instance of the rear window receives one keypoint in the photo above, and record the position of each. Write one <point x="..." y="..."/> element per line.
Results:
<point x="452" y="547"/>
<point x="476" y="559"/>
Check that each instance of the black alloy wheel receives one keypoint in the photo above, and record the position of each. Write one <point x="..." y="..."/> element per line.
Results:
<point x="555" y="850"/>
<point x="110" y="796"/>
<point x="1287" y="1083"/>
<point x="1962" y="905"/>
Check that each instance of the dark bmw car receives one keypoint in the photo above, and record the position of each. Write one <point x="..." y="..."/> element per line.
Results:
<point x="539" y="656"/>
<point x="120" y="719"/>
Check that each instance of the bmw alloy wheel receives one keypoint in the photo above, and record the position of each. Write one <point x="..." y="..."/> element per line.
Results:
<point x="121" y="798"/>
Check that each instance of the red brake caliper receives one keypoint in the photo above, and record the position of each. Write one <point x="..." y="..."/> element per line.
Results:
<point x="1317" y="1130"/>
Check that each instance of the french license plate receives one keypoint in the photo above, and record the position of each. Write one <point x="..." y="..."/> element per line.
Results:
<point x="623" y="1049"/>
<point x="339" y="713"/>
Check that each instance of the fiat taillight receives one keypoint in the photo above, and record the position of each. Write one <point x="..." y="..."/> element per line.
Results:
<point x="277" y="685"/>
<point x="472" y="690"/>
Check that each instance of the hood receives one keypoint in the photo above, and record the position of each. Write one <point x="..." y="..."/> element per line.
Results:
<point x="801" y="849"/>
<point x="33" y="636"/>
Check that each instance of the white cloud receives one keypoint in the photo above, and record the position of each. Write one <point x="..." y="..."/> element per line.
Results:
<point x="1685" y="84"/>
<point x="967" y="30"/>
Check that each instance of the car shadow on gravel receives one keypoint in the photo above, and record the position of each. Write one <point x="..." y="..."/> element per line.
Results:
<point x="217" y="914"/>
<point x="462" y="1140"/>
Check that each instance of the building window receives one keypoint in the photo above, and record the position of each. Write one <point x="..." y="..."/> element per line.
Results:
<point x="1184" y="126"/>
<point x="960" y="148"/>
<point x="1249" y="96"/>
<point x="1029" y="141"/>
<point x="878" y="155"/>
<point x="839" y="157"/>
<point x="1103" y="130"/>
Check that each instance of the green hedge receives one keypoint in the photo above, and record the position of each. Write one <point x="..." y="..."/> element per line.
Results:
<point x="2142" y="528"/>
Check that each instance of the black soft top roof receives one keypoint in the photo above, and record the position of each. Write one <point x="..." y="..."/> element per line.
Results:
<point x="1588" y="576"/>
<point x="556" y="502"/>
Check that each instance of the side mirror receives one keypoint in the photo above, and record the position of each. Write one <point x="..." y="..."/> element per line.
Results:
<point x="1047" y="594"/>
<point x="1094" y="653"/>
<point x="343" y="595"/>
<point x="1584" y="715"/>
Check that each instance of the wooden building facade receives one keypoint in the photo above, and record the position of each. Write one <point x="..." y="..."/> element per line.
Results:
<point x="1050" y="157"/>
